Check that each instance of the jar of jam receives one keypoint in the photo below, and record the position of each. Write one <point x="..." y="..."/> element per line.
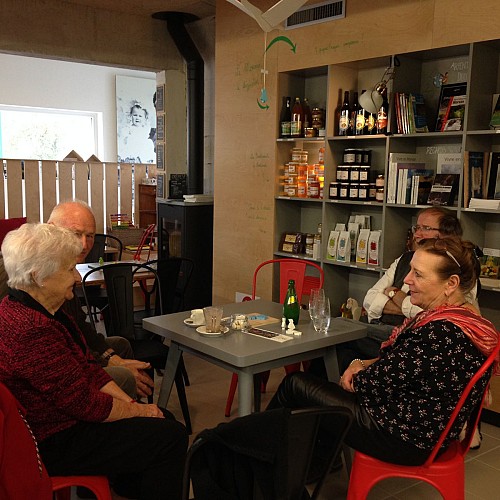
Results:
<point x="364" y="188"/>
<point x="372" y="191"/>
<point x="354" y="172"/>
<point x="364" y="173"/>
<point x="343" y="191"/>
<point x="366" y="157"/>
<point x="379" y="195"/>
<point x="342" y="173"/>
<point x="349" y="156"/>
<point x="380" y="181"/>
<point x="313" y="189"/>
<point x="333" y="193"/>
<point x="353" y="191"/>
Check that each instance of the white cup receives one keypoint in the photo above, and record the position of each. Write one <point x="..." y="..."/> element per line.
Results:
<point x="197" y="316"/>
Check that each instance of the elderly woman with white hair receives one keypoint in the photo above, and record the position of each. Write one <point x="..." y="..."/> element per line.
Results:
<point x="83" y="422"/>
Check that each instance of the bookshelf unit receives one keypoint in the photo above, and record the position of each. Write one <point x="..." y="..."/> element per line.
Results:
<point x="419" y="72"/>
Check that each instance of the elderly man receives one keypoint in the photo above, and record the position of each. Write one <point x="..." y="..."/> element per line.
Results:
<point x="112" y="352"/>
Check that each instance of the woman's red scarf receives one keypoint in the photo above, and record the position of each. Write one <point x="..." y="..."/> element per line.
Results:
<point x="480" y="331"/>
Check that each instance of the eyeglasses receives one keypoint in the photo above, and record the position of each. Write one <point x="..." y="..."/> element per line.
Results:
<point x="424" y="229"/>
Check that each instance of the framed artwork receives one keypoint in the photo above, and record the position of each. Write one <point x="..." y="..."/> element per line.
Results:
<point x="135" y="119"/>
<point x="160" y="127"/>
<point x="160" y="156"/>
<point x="160" y="98"/>
<point x="160" y="185"/>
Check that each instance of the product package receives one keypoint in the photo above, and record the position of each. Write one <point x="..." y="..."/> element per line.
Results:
<point x="331" y="248"/>
<point x="362" y="246"/>
<point x="344" y="247"/>
<point x="373" y="248"/>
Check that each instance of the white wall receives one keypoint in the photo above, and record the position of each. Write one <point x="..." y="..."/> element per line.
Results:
<point x="30" y="81"/>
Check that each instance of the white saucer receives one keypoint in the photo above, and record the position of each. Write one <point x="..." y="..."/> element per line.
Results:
<point x="202" y="330"/>
<point x="189" y="322"/>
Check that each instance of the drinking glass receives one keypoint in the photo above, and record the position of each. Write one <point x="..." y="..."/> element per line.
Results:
<point x="316" y="296"/>
<point x="213" y="316"/>
<point x="321" y="316"/>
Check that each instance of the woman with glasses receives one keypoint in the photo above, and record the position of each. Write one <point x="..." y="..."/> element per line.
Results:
<point x="403" y="399"/>
<point x="388" y="303"/>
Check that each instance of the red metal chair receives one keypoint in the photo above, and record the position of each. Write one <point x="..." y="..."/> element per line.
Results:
<point x="446" y="472"/>
<point x="147" y="239"/>
<point x="61" y="485"/>
<point x="290" y="269"/>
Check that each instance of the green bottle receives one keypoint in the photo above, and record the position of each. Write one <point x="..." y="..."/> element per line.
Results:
<point x="291" y="307"/>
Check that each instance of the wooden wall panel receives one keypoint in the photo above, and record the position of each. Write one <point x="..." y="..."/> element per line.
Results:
<point x="96" y="195"/>
<point x="82" y="181"/>
<point x="126" y="188"/>
<point x="14" y="188"/>
<point x="48" y="187"/>
<point x="65" y="176"/>
<point x="111" y="176"/>
<point x="32" y="189"/>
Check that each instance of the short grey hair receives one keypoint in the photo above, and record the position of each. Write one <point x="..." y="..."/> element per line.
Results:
<point x="37" y="250"/>
<point x="60" y="210"/>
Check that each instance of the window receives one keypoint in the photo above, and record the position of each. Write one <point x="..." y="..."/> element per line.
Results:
<point x="28" y="133"/>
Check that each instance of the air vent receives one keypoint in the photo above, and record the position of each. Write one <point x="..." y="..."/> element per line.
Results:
<point x="319" y="13"/>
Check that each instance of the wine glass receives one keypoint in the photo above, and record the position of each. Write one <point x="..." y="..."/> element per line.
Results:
<point x="316" y="296"/>
<point x="321" y="316"/>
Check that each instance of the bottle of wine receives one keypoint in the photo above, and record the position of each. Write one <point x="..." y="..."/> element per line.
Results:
<point x="296" y="128"/>
<point x="382" y="115"/>
<point x="286" y="117"/>
<point x="345" y="112"/>
<point x="354" y="112"/>
<point x="291" y="307"/>
<point x="361" y="121"/>
<point x="307" y="114"/>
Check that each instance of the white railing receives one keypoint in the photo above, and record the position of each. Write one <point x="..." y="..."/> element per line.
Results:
<point x="31" y="188"/>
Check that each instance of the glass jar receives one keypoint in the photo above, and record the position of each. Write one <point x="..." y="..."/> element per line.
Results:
<point x="364" y="188"/>
<point x="372" y="191"/>
<point x="342" y="173"/>
<point x="349" y="156"/>
<point x="380" y="181"/>
<point x="343" y="191"/>
<point x="354" y="172"/>
<point x="353" y="191"/>
<point x="364" y="173"/>
<point x="379" y="195"/>
<point x="333" y="193"/>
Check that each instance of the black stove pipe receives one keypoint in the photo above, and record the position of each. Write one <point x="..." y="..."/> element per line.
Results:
<point x="195" y="95"/>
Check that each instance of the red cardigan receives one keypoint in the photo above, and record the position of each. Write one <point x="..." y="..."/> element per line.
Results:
<point x="48" y="372"/>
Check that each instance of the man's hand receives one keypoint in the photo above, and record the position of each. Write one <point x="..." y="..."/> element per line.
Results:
<point x="143" y="381"/>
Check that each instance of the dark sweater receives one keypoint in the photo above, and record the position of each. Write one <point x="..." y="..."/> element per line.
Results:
<point x="47" y="365"/>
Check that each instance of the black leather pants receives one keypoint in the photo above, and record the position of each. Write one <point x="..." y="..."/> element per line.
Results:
<point x="301" y="390"/>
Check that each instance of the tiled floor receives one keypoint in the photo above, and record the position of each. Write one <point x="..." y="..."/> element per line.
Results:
<point x="207" y="398"/>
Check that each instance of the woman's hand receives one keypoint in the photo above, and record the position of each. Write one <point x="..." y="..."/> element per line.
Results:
<point x="147" y="410"/>
<point x="347" y="378"/>
<point x="130" y="409"/>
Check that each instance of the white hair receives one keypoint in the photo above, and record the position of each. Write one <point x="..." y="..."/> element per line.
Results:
<point x="37" y="250"/>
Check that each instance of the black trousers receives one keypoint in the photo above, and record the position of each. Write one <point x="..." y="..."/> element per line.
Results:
<point x="142" y="457"/>
<point x="301" y="390"/>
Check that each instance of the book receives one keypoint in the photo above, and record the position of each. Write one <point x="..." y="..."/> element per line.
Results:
<point x="449" y="163"/>
<point x="451" y="107"/>
<point x="495" y="113"/>
<point x="444" y="189"/>
<point x="477" y="164"/>
<point x="421" y="184"/>
<point x="392" y="172"/>
<point x="490" y="263"/>
<point x="418" y="113"/>
<point x="484" y="204"/>
<point x="404" y="180"/>
<point x="493" y="190"/>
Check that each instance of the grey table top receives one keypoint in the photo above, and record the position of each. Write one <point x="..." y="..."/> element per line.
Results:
<point x="242" y="349"/>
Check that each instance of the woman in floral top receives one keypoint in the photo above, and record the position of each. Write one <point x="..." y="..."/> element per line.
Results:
<point x="403" y="399"/>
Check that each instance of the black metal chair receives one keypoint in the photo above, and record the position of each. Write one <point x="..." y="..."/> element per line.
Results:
<point x="175" y="274"/>
<point x="119" y="319"/>
<point x="270" y="451"/>
<point x="99" y="248"/>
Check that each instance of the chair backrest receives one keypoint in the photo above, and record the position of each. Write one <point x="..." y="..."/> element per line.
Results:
<point x="147" y="239"/>
<point x="473" y="418"/>
<point x="99" y="247"/>
<point x="294" y="269"/>
<point x="174" y="274"/>
<point x="22" y="474"/>
<point x="271" y="450"/>
<point x="119" y="279"/>
<point x="7" y="225"/>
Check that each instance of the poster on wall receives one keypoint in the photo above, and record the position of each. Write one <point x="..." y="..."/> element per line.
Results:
<point x="135" y="119"/>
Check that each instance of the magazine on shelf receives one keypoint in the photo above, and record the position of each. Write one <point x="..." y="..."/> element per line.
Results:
<point x="451" y="108"/>
<point x="493" y="181"/>
<point x="495" y="113"/>
<point x="449" y="163"/>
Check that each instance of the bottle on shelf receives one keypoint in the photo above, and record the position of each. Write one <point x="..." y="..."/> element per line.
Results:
<point x="344" y="115"/>
<point x="354" y="112"/>
<point x="291" y="306"/>
<point x="286" y="118"/>
<point x="360" y="121"/>
<point x="296" y="128"/>
<point x="382" y="115"/>
<point x="371" y="123"/>
<point x="307" y="114"/>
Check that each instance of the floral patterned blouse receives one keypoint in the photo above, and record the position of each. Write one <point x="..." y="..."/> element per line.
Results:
<point x="413" y="388"/>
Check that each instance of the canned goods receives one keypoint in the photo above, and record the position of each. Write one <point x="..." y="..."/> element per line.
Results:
<point x="353" y="191"/>
<point x="350" y="156"/>
<point x="364" y="173"/>
<point x="333" y="192"/>
<point x="363" y="191"/>
<point x="344" y="191"/>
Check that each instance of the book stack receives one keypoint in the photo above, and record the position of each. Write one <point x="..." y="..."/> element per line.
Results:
<point x="481" y="179"/>
<point x="409" y="180"/>
<point x="484" y="204"/>
<point x="411" y="117"/>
